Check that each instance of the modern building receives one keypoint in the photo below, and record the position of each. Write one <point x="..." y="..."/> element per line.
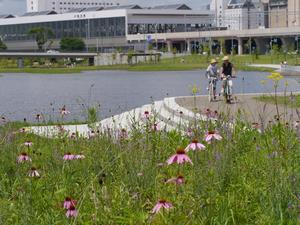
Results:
<point x="244" y="14"/>
<point x="61" y="6"/>
<point x="104" y="28"/>
<point x="294" y="13"/>
<point x="218" y="7"/>
<point x="278" y="13"/>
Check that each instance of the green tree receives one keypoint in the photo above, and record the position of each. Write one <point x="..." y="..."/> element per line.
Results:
<point x="42" y="35"/>
<point x="72" y="44"/>
<point x="2" y="45"/>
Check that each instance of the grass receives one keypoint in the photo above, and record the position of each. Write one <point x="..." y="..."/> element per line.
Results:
<point x="191" y="62"/>
<point x="282" y="100"/>
<point x="246" y="178"/>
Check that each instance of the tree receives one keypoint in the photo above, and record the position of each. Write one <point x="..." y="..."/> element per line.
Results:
<point x="72" y="44"/>
<point x="42" y="36"/>
<point x="2" y="45"/>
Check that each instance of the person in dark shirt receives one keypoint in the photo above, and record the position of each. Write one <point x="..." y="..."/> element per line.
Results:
<point x="227" y="69"/>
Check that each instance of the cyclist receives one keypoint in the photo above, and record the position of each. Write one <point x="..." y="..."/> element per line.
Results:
<point x="227" y="71"/>
<point x="212" y="74"/>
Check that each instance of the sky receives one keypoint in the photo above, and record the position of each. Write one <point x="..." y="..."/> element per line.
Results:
<point x="18" y="7"/>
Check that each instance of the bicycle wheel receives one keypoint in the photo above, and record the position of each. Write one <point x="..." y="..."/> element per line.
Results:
<point x="210" y="92"/>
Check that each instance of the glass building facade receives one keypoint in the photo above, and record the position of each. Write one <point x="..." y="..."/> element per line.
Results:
<point x="82" y="28"/>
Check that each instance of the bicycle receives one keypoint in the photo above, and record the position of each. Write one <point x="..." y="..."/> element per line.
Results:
<point x="212" y="88"/>
<point x="228" y="85"/>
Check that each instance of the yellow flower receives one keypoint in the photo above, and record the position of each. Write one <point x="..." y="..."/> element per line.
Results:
<point x="275" y="76"/>
<point x="194" y="90"/>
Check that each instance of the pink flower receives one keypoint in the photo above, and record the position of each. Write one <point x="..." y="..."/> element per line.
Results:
<point x="69" y="202"/>
<point x="28" y="144"/>
<point x="79" y="156"/>
<point x="146" y="115"/>
<point x="33" y="172"/>
<point x="72" y="212"/>
<point x="73" y="135"/>
<point x="23" y="157"/>
<point x="211" y="114"/>
<point x="161" y="204"/>
<point x="180" y="157"/>
<point x="69" y="156"/>
<point x="38" y="117"/>
<point x="64" y="111"/>
<point x="212" y="135"/>
<point x="22" y="130"/>
<point x="256" y="126"/>
<point x="155" y="127"/>
<point x="195" y="145"/>
<point x="176" y="180"/>
<point x="92" y="134"/>
<point x="122" y="134"/>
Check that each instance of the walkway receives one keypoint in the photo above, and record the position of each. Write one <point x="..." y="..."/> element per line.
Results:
<point x="174" y="113"/>
<point x="250" y="109"/>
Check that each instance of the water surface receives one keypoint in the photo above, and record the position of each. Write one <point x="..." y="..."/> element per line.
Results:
<point x="25" y="95"/>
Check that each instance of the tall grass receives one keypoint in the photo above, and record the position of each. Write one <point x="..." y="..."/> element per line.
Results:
<point x="251" y="176"/>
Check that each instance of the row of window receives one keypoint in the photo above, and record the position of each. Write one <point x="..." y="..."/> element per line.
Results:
<point x="85" y="3"/>
<point x="104" y="27"/>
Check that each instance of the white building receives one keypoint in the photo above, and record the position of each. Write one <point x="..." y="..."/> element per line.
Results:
<point x="61" y="6"/>
<point x="218" y="7"/>
<point x="244" y="14"/>
<point x="105" y="28"/>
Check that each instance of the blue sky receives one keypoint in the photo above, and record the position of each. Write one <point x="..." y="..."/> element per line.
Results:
<point x="19" y="6"/>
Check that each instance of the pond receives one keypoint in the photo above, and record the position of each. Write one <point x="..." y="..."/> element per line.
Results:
<point x="25" y="95"/>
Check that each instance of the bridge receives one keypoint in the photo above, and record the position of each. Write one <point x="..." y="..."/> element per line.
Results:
<point x="261" y="37"/>
<point x="51" y="55"/>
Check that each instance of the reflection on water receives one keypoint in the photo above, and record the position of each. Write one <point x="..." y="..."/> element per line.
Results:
<point x="24" y="95"/>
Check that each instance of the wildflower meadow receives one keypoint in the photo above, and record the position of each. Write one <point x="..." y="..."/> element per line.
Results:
<point x="213" y="172"/>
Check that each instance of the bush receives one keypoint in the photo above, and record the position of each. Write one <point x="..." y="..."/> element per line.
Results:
<point x="72" y="44"/>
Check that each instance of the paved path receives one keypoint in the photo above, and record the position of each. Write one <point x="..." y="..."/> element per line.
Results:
<point x="271" y="66"/>
<point x="252" y="109"/>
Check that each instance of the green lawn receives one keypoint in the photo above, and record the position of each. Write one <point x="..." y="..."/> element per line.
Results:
<point x="282" y="100"/>
<point x="191" y="62"/>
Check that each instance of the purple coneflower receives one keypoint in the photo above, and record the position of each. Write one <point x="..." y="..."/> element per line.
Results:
<point x="180" y="157"/>
<point x="195" y="145"/>
<point x="146" y="115"/>
<point x="69" y="202"/>
<point x="38" y="117"/>
<point x="161" y="204"/>
<point x="212" y="135"/>
<point x="69" y="156"/>
<point x="72" y="212"/>
<point x="79" y="156"/>
<point x="64" y="111"/>
<point x="22" y="130"/>
<point x="33" y="172"/>
<point x="176" y="180"/>
<point x="28" y="144"/>
<point x="23" y="157"/>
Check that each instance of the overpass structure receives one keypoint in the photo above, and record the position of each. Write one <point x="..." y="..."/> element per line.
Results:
<point x="55" y="55"/>
<point x="261" y="37"/>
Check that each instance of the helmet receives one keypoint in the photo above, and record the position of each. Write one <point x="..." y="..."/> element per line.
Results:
<point x="226" y="58"/>
<point x="213" y="61"/>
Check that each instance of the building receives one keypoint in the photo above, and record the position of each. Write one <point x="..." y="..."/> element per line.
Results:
<point x="218" y="7"/>
<point x="61" y="6"/>
<point x="294" y="13"/>
<point x="104" y="28"/>
<point x="278" y="13"/>
<point x="244" y="14"/>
